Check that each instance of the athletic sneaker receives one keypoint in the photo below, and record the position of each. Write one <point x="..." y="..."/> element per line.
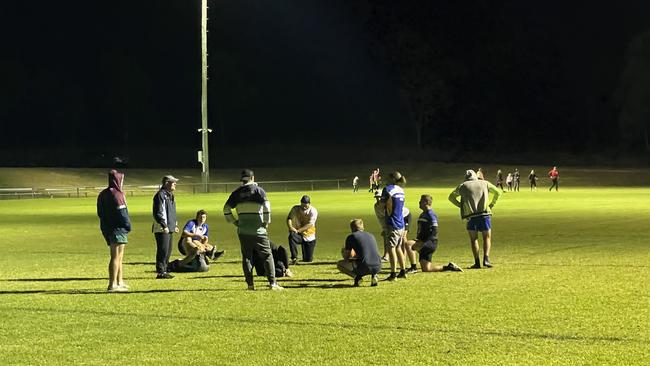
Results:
<point x="392" y="277"/>
<point x="117" y="289"/>
<point x="124" y="285"/>
<point x="402" y="274"/>
<point x="164" y="276"/>
<point x="294" y="261"/>
<point x="487" y="264"/>
<point x="288" y="273"/>
<point x="275" y="287"/>
<point x="384" y="259"/>
<point x="251" y="287"/>
<point x="474" y="266"/>
<point x="453" y="267"/>
<point x="374" y="281"/>
<point x="358" y="280"/>
<point x="216" y="254"/>
<point x="412" y="270"/>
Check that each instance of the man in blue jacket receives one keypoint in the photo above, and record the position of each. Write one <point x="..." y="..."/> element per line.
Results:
<point x="165" y="224"/>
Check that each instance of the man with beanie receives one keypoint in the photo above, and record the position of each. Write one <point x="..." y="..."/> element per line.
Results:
<point x="474" y="207"/>
<point x="252" y="215"/>
<point x="165" y="224"/>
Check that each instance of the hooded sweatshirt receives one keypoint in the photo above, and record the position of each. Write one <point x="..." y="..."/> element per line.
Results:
<point x="111" y="205"/>
<point x="473" y="194"/>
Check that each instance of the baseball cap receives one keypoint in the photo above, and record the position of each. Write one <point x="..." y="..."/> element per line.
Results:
<point x="305" y="199"/>
<point x="246" y="175"/>
<point x="169" y="178"/>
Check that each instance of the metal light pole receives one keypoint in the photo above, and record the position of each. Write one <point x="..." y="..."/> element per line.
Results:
<point x="204" y="155"/>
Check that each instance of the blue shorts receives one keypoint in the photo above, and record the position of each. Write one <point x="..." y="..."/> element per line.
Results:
<point x="479" y="223"/>
<point x="116" y="236"/>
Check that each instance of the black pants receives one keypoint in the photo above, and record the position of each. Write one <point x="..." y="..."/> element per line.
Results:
<point x="555" y="183"/>
<point x="163" y="250"/>
<point x="256" y="248"/>
<point x="280" y="260"/>
<point x="307" y="247"/>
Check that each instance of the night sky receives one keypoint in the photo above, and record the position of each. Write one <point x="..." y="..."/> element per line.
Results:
<point x="90" y="80"/>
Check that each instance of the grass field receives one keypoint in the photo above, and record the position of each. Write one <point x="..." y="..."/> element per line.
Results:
<point x="570" y="286"/>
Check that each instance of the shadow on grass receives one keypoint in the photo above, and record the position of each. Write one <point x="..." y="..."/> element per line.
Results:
<point x="140" y="263"/>
<point x="258" y="322"/>
<point x="100" y="292"/>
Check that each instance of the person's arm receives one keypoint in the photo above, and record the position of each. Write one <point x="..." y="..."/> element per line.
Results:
<point x="290" y="222"/>
<point x="266" y="212"/>
<point x="347" y="249"/>
<point x="453" y="197"/>
<point x="159" y="210"/>
<point x="228" y="213"/>
<point x="496" y="193"/>
<point x="311" y="223"/>
<point x="389" y="206"/>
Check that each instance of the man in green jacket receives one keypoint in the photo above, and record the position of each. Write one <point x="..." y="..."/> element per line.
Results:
<point x="474" y="207"/>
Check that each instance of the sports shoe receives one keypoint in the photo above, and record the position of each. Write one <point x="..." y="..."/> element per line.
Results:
<point x="487" y="264"/>
<point x="374" y="281"/>
<point x="124" y="285"/>
<point x="117" y="289"/>
<point x="251" y="287"/>
<point x="164" y="276"/>
<point x="453" y="267"/>
<point x="474" y="266"/>
<point x="358" y="280"/>
<point x="275" y="287"/>
<point x="402" y="274"/>
<point x="412" y="270"/>
<point x="294" y="261"/>
<point x="216" y="254"/>
<point x="384" y="259"/>
<point x="288" y="273"/>
<point x="392" y="277"/>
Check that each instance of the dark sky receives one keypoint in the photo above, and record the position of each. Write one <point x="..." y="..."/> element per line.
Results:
<point x="121" y="76"/>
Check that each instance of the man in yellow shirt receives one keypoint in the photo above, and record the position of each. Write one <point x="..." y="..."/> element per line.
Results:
<point x="301" y="223"/>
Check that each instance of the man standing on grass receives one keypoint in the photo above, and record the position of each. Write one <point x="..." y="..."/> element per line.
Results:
<point x="474" y="207"/>
<point x="360" y="255"/>
<point x="115" y="224"/>
<point x="252" y="216"/>
<point x="165" y="224"/>
<point x="301" y="223"/>
<point x="393" y="195"/>
<point x="426" y="242"/>
<point x="554" y="174"/>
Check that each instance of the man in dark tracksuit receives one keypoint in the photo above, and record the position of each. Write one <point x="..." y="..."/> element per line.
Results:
<point x="165" y="224"/>
<point x="253" y="215"/>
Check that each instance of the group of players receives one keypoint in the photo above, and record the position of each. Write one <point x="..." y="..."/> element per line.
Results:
<point x="248" y="209"/>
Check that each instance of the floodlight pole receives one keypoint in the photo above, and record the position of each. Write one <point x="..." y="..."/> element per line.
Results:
<point x="205" y="155"/>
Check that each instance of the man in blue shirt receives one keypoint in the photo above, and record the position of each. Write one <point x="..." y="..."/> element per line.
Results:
<point x="360" y="255"/>
<point x="393" y="195"/>
<point x="426" y="242"/>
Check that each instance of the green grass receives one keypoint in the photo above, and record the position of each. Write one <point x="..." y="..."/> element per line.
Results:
<point x="570" y="285"/>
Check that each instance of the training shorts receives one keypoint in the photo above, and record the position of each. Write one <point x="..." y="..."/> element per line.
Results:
<point x="479" y="223"/>
<point x="118" y="235"/>
<point x="427" y="250"/>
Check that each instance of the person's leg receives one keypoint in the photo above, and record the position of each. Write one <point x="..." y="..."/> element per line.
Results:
<point x="247" y="246"/>
<point x="191" y="251"/>
<point x="347" y="267"/>
<point x="487" y="244"/>
<point x="294" y="239"/>
<point x="429" y="267"/>
<point x="161" y="244"/>
<point x="265" y="255"/>
<point x="392" y="260"/>
<point x="120" y="257"/>
<point x="113" y="266"/>
<point x="473" y="239"/>
<point x="410" y="253"/>
<point x="308" y="248"/>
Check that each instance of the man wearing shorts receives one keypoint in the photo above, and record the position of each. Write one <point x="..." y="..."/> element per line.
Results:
<point x="115" y="225"/>
<point x="360" y="255"/>
<point x="393" y="195"/>
<point x="426" y="242"/>
<point x="474" y="207"/>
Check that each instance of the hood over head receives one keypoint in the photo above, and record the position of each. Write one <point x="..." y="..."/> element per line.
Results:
<point x="115" y="182"/>
<point x="470" y="175"/>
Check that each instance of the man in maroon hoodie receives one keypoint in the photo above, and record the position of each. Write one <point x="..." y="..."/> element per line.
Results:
<point x="115" y="224"/>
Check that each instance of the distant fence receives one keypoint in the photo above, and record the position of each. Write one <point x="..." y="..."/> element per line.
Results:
<point x="191" y="188"/>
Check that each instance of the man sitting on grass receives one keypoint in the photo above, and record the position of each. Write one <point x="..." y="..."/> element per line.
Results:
<point x="360" y="255"/>
<point x="193" y="244"/>
<point x="427" y="238"/>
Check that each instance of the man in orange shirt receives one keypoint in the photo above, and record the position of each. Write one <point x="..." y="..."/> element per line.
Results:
<point x="301" y="223"/>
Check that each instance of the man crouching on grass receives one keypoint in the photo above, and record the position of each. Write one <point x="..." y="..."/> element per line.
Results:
<point x="427" y="238"/>
<point x="360" y="255"/>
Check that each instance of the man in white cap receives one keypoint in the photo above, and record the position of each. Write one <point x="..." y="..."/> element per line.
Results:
<point x="165" y="224"/>
<point x="474" y="207"/>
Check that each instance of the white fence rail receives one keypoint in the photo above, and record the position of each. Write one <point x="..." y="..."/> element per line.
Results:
<point x="191" y="188"/>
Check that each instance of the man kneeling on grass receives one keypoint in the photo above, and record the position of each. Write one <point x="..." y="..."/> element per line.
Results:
<point x="427" y="238"/>
<point x="360" y="255"/>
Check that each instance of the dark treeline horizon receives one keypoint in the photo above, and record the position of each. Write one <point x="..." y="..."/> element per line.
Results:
<point x="492" y="77"/>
